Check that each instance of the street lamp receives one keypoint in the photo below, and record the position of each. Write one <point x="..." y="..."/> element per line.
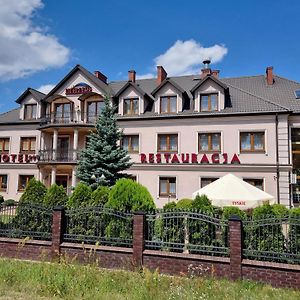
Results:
<point x="99" y="180"/>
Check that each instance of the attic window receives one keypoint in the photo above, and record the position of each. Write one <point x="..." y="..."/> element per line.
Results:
<point x="297" y="94"/>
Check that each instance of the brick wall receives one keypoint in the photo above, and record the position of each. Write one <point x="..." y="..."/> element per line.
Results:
<point x="232" y="267"/>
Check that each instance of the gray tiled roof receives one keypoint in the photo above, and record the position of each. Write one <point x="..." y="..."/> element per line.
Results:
<point x="244" y="94"/>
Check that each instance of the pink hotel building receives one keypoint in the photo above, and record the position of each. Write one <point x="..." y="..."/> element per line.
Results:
<point x="181" y="132"/>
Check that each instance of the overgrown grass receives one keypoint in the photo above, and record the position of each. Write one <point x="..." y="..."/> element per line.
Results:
<point x="28" y="280"/>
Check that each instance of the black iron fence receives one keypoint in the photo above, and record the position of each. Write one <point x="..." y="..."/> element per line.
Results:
<point x="99" y="225"/>
<point x="188" y="232"/>
<point x="25" y="220"/>
<point x="272" y="238"/>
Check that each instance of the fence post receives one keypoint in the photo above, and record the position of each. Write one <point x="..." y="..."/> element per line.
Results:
<point x="138" y="239"/>
<point x="235" y="246"/>
<point x="57" y="229"/>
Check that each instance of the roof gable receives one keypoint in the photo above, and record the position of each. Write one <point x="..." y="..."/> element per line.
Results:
<point x="91" y="77"/>
<point x="126" y="86"/>
<point x="29" y="91"/>
<point x="208" y="77"/>
<point x="166" y="81"/>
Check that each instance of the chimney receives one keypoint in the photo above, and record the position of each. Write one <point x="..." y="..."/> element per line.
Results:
<point x="207" y="70"/>
<point x="215" y="73"/>
<point x="269" y="75"/>
<point x="131" y="76"/>
<point x="161" y="74"/>
<point x="101" y="76"/>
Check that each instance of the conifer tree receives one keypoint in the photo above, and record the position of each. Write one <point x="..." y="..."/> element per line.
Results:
<point x="103" y="159"/>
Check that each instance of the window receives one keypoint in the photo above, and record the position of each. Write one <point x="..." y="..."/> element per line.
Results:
<point x="207" y="181"/>
<point x="258" y="183"/>
<point x="94" y="109"/>
<point x="167" y="143"/>
<point x="28" y="145"/>
<point x="4" y="145"/>
<point x="23" y="180"/>
<point x="130" y="143"/>
<point x="209" y="102"/>
<point x="252" y="141"/>
<point x="209" y="142"/>
<point x="168" y="104"/>
<point x="3" y="183"/>
<point x="63" y="112"/>
<point x="167" y="186"/>
<point x="30" y="111"/>
<point x="131" y="106"/>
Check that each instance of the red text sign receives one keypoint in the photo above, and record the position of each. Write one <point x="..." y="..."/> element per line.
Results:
<point x="18" y="158"/>
<point x="186" y="158"/>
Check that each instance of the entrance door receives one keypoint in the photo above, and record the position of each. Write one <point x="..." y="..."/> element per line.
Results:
<point x="62" y="180"/>
<point x="62" y="148"/>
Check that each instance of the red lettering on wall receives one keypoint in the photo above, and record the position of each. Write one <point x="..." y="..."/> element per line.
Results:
<point x="204" y="159"/>
<point x="194" y="158"/>
<point x="225" y="156"/>
<point x="235" y="160"/>
<point x="167" y="157"/>
<point x="215" y="158"/>
<point x="151" y="158"/>
<point x="185" y="158"/>
<point x="175" y="159"/>
<point x="13" y="157"/>
<point x="143" y="158"/>
<point x="158" y="158"/>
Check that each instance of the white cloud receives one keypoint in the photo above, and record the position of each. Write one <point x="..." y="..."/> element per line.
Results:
<point x="145" y="76"/>
<point x="25" y="47"/>
<point x="46" y="88"/>
<point x="186" y="57"/>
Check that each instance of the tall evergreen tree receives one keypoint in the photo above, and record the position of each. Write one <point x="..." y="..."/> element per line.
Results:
<point x="103" y="155"/>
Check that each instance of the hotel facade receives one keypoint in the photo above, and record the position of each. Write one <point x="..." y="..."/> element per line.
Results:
<point x="181" y="132"/>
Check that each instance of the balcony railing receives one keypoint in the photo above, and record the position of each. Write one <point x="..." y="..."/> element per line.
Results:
<point x="58" y="156"/>
<point x="70" y="118"/>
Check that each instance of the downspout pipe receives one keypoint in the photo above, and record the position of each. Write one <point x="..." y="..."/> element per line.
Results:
<point x="277" y="158"/>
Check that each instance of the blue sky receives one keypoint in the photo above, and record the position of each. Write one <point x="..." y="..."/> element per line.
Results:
<point x="43" y="39"/>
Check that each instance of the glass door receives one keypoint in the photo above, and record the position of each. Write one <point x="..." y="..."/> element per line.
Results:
<point x="62" y="148"/>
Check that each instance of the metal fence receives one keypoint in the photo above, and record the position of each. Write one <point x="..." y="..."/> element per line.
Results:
<point x="99" y="225"/>
<point x="187" y="232"/>
<point x="271" y="238"/>
<point x="25" y="220"/>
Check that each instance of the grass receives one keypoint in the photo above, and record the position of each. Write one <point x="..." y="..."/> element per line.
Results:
<point x="28" y="280"/>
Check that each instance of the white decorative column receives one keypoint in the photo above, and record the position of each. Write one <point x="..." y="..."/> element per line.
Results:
<point x="55" y="138"/>
<point x="75" y="144"/>
<point x="53" y="175"/>
<point x="74" y="177"/>
<point x="42" y="143"/>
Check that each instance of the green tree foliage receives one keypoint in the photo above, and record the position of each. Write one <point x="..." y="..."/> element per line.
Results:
<point x="170" y="205"/>
<point x="184" y="203"/>
<point x="100" y="196"/>
<point x="128" y="195"/>
<point x="294" y="231"/>
<point x="103" y="154"/>
<point x="1" y="199"/>
<point x="202" y="203"/>
<point x="35" y="192"/>
<point x="56" y="195"/>
<point x="80" y="197"/>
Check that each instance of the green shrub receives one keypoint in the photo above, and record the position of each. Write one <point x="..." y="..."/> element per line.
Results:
<point x="9" y="202"/>
<point x="294" y="231"/>
<point x="56" y="195"/>
<point x="80" y="197"/>
<point x="35" y="192"/>
<point x="231" y="210"/>
<point x="128" y="195"/>
<point x="1" y="199"/>
<point x="100" y="196"/>
<point x="202" y="203"/>
<point x="170" y="206"/>
<point x="280" y="210"/>
<point x="184" y="204"/>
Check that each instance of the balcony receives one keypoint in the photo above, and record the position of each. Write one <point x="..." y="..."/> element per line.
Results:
<point x="58" y="156"/>
<point x="70" y="118"/>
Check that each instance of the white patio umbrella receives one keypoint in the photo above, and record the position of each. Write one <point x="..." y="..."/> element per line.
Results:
<point x="230" y="190"/>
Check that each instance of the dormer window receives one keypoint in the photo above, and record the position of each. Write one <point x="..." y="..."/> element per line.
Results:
<point x="209" y="102"/>
<point x="94" y="109"/>
<point x="168" y="104"/>
<point x="30" y="111"/>
<point x="131" y="106"/>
